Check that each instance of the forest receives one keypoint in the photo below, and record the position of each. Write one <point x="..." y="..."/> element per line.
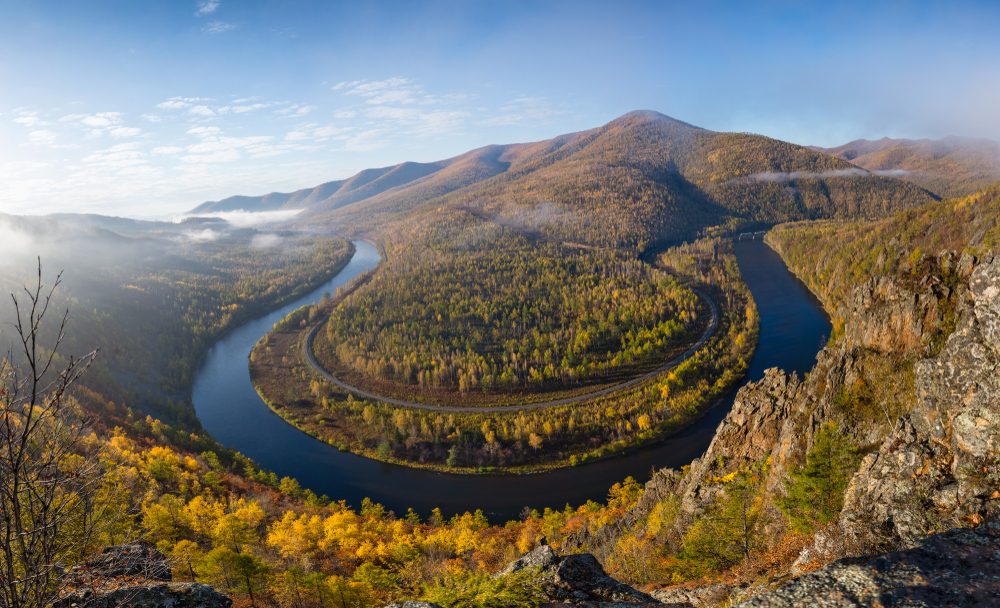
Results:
<point x="530" y="440"/>
<point x="155" y="302"/>
<point x="269" y="542"/>
<point x="494" y="312"/>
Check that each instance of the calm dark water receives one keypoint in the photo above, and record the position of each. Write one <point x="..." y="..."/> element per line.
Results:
<point x="792" y="328"/>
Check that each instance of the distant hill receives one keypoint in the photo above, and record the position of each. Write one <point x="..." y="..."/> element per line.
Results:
<point x="949" y="167"/>
<point x="329" y="195"/>
<point x="641" y="179"/>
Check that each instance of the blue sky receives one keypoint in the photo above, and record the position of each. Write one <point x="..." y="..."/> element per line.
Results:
<point x="149" y="108"/>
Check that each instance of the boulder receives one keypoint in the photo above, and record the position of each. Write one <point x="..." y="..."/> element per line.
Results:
<point x="711" y="595"/>
<point x="171" y="595"/>
<point x="577" y="579"/>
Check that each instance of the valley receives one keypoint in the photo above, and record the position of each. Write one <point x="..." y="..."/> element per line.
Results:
<point x="593" y="346"/>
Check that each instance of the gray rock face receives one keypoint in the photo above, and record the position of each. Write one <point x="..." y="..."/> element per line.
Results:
<point x="137" y="559"/>
<point x="889" y="318"/>
<point x="711" y="595"/>
<point x="577" y="578"/>
<point x="171" y="595"/>
<point x="985" y="286"/>
<point x="956" y="568"/>
<point x="913" y="480"/>
<point x="954" y="425"/>
<point x="543" y="557"/>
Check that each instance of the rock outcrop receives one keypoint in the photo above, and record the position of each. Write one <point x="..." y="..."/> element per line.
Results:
<point x="957" y="568"/>
<point x="132" y="560"/>
<point x="170" y="595"/>
<point x="579" y="579"/>
<point x="923" y="472"/>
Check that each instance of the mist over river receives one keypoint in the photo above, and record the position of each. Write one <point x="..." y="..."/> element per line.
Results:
<point x="792" y="330"/>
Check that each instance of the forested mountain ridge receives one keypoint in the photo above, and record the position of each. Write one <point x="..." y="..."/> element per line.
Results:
<point x="642" y="178"/>
<point x="949" y="167"/>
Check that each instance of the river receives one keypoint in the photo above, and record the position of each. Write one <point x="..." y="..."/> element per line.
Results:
<point x="793" y="327"/>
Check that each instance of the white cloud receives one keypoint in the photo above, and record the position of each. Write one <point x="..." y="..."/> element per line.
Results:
<point x="206" y="7"/>
<point x="296" y="110"/>
<point x="315" y="132"/>
<point x="201" y="111"/>
<point x="166" y="150"/>
<point x="366" y="141"/>
<point x="342" y="85"/>
<point x="125" y="132"/>
<point x="203" y="235"/>
<point x="204" y="131"/>
<point x="222" y="156"/>
<point x="265" y="241"/>
<point x="217" y="27"/>
<point x="249" y="108"/>
<point x="173" y="104"/>
<point x="394" y="96"/>
<point x="42" y="137"/>
<point x="401" y="114"/>
<point x="151" y="118"/>
<point x="218" y="144"/>
<point x="769" y="176"/>
<point x="391" y="90"/>
<point x="117" y="157"/>
<point x="372" y="88"/>
<point x="345" y="114"/>
<point x="247" y="219"/>
<point x="421" y="123"/>
<point x="520" y="110"/>
<point x="99" y="120"/>
<point x="31" y="120"/>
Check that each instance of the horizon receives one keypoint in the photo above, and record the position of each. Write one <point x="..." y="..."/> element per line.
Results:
<point x="148" y="111"/>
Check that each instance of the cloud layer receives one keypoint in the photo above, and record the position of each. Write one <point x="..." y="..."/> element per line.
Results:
<point x="769" y="176"/>
<point x="193" y="148"/>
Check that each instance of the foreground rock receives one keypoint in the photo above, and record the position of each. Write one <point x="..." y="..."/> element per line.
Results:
<point x="956" y="568"/>
<point x="132" y="560"/>
<point x="712" y="595"/>
<point x="171" y="595"/>
<point x="580" y="580"/>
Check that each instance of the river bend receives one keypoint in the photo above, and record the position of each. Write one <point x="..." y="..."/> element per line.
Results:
<point x="792" y="330"/>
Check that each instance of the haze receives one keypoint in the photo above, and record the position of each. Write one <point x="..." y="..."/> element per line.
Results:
<point x="148" y="109"/>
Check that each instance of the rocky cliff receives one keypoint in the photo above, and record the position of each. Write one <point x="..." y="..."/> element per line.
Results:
<point x="922" y="351"/>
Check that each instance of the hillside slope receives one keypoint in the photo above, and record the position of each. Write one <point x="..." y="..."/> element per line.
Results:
<point x="641" y="179"/>
<point x="948" y="167"/>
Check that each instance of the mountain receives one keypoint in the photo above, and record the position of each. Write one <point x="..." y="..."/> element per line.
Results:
<point x="949" y="167"/>
<point x="642" y="178"/>
<point x="329" y="195"/>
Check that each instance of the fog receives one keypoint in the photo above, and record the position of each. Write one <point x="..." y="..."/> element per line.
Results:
<point x="769" y="176"/>
<point x="245" y="219"/>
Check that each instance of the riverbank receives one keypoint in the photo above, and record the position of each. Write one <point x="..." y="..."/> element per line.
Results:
<point x="791" y="326"/>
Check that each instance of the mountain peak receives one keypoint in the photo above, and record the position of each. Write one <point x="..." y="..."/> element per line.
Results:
<point x="641" y="116"/>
